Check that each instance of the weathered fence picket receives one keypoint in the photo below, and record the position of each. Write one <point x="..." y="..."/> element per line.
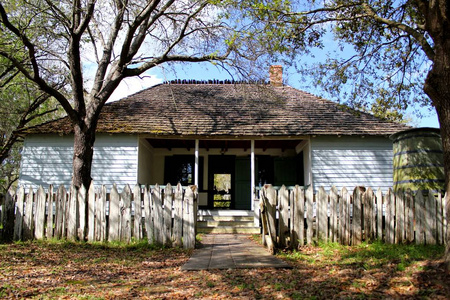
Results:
<point x="352" y="218"/>
<point x="167" y="217"/>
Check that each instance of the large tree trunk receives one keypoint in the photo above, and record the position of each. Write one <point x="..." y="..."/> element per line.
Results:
<point x="437" y="86"/>
<point x="83" y="146"/>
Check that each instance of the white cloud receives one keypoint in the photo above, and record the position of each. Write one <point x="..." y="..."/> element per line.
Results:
<point x="133" y="85"/>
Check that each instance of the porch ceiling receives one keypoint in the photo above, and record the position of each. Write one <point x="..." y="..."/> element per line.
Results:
<point x="224" y="144"/>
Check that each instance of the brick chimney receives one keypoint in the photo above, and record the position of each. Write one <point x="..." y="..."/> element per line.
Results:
<point x="276" y="75"/>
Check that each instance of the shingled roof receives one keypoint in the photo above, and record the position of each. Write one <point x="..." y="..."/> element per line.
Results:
<point x="232" y="109"/>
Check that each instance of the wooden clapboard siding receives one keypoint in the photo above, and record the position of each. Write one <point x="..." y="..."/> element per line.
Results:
<point x="351" y="161"/>
<point x="47" y="159"/>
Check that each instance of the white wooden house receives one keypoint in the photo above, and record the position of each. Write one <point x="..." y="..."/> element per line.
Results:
<point x="225" y="137"/>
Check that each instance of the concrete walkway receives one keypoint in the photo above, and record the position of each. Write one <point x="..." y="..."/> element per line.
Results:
<point x="231" y="251"/>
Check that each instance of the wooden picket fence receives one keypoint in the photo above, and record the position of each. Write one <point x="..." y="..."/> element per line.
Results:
<point x="295" y="217"/>
<point x="164" y="215"/>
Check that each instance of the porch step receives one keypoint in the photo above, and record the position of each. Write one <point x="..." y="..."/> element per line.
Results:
<point x="226" y="224"/>
<point x="229" y="229"/>
<point x="225" y="218"/>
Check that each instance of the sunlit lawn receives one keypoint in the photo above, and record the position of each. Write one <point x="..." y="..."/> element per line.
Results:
<point x="49" y="270"/>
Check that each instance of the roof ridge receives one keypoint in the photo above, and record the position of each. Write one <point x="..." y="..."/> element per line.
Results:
<point x="215" y="81"/>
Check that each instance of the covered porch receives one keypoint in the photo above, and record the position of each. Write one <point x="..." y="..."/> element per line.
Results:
<point x="227" y="172"/>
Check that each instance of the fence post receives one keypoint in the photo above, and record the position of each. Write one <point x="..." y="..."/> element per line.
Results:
<point x="28" y="224"/>
<point x="100" y="221"/>
<point x="60" y="202"/>
<point x="189" y="212"/>
<point x="430" y="220"/>
<point x="420" y="215"/>
<point x="8" y="216"/>
<point x="309" y="195"/>
<point x="389" y="218"/>
<point x="91" y="212"/>
<point x="178" y="216"/>
<point x="268" y="211"/>
<point x="298" y="215"/>
<point x="137" y="197"/>
<point x="148" y="215"/>
<point x="125" y="215"/>
<point x="81" y="220"/>
<point x="357" y="216"/>
<point x="322" y="215"/>
<point x="157" y="214"/>
<point x="367" y="213"/>
<point x="39" y="217"/>
<point x="439" y="221"/>
<point x="379" y="213"/>
<point x="409" y="216"/>
<point x="18" y="224"/>
<point x="334" y="198"/>
<point x="114" y="214"/>
<point x="167" y="228"/>
<point x="283" y="200"/>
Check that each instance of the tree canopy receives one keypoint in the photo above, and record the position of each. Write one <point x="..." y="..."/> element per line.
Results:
<point x="392" y="53"/>
<point x="94" y="45"/>
<point x="21" y="105"/>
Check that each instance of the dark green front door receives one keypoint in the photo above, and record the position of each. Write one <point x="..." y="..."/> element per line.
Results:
<point x="243" y="186"/>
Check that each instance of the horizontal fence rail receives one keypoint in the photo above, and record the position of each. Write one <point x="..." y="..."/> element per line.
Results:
<point x="162" y="215"/>
<point x="296" y="216"/>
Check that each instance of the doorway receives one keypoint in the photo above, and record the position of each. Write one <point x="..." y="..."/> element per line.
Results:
<point x="221" y="184"/>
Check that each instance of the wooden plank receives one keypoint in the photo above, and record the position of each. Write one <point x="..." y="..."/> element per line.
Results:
<point x="430" y="219"/>
<point x="50" y="200"/>
<point x="82" y="201"/>
<point x="189" y="218"/>
<point x="420" y="217"/>
<point x="18" y="222"/>
<point x="114" y="215"/>
<point x="409" y="216"/>
<point x="39" y="217"/>
<point x="91" y="213"/>
<point x="137" y="200"/>
<point x="379" y="212"/>
<point x="357" y="216"/>
<point x="390" y="217"/>
<point x="439" y="219"/>
<point x="334" y="208"/>
<point x="178" y="216"/>
<point x="283" y="200"/>
<point x="322" y="215"/>
<point x="8" y="216"/>
<point x="148" y="215"/>
<point x="72" y="214"/>
<point x="125" y="215"/>
<point x="309" y="214"/>
<point x="60" y="201"/>
<point x="28" y="224"/>
<point x="298" y="217"/>
<point x="399" y="217"/>
<point x="271" y="209"/>
<point x="341" y="218"/>
<point x="368" y="197"/>
<point x="446" y="217"/>
<point x="100" y="215"/>
<point x="158" y="214"/>
<point x="167" y="212"/>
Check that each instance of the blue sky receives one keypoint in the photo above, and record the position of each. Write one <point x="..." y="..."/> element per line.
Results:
<point x="207" y="71"/>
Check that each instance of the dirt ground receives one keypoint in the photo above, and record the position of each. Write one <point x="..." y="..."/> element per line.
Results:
<point x="51" y="270"/>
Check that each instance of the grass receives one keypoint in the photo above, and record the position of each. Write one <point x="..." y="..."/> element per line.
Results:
<point x="367" y="256"/>
<point x="62" y="269"/>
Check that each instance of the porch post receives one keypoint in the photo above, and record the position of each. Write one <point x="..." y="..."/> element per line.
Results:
<point x="196" y="163"/>
<point x="252" y="169"/>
